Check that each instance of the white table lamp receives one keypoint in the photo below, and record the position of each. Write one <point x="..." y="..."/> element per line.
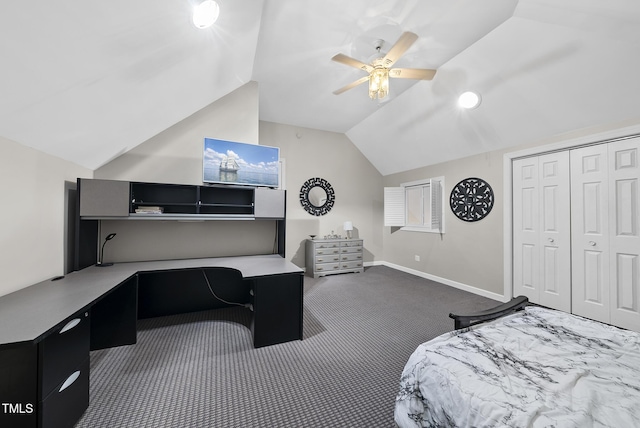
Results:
<point x="348" y="227"/>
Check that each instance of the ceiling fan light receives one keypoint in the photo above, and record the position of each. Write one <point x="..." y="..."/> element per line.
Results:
<point x="469" y="100"/>
<point x="379" y="83"/>
<point x="205" y="14"/>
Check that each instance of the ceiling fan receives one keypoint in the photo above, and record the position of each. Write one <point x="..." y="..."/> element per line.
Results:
<point x="380" y="68"/>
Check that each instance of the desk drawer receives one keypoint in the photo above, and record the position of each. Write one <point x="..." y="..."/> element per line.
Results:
<point x="62" y="351"/>
<point x="68" y="400"/>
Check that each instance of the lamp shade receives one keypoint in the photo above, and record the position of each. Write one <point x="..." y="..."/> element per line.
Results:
<point x="347" y="225"/>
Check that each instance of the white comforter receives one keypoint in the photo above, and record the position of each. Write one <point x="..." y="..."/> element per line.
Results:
<point x="535" y="368"/>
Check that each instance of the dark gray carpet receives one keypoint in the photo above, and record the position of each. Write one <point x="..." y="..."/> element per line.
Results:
<point x="200" y="369"/>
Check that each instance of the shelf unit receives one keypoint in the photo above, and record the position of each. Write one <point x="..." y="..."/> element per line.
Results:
<point x="192" y="200"/>
<point x="100" y="199"/>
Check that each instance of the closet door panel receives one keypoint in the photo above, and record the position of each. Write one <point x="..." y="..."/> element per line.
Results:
<point x="595" y="283"/>
<point x="589" y="233"/>
<point x="624" y="209"/>
<point x="542" y="239"/>
<point x="555" y="231"/>
<point x="526" y="221"/>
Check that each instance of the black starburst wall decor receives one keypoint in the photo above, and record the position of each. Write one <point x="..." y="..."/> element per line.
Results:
<point x="471" y="199"/>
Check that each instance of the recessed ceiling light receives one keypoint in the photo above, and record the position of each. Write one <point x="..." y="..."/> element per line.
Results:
<point x="469" y="100"/>
<point x="205" y="14"/>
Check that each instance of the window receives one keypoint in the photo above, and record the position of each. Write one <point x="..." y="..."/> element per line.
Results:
<point x="415" y="206"/>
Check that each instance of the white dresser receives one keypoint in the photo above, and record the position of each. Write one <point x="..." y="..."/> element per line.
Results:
<point x="329" y="256"/>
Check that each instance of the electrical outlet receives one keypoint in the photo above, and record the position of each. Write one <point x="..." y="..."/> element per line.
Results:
<point x="417" y="257"/>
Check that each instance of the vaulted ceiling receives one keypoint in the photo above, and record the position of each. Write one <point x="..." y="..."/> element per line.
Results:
<point x="87" y="81"/>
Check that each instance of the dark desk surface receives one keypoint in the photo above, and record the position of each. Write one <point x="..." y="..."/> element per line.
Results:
<point x="29" y="313"/>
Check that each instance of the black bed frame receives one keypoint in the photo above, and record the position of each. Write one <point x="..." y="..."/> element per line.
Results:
<point x="467" y="320"/>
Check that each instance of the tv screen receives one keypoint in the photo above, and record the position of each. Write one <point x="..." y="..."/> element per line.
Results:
<point x="230" y="162"/>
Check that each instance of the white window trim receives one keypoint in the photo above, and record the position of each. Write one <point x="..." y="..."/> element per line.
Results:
<point x="395" y="209"/>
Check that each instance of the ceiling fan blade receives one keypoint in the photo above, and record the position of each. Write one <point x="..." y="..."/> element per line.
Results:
<point x="412" y="73"/>
<point x="351" y="85"/>
<point x="404" y="42"/>
<point x="347" y="60"/>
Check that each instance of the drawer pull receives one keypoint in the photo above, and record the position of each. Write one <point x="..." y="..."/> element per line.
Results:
<point x="320" y="260"/>
<point x="74" y="322"/>
<point x="67" y="383"/>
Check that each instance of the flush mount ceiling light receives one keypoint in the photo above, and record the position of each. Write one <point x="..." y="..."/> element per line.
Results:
<point x="205" y="14"/>
<point x="469" y="100"/>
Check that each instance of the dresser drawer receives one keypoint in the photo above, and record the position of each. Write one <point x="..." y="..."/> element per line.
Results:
<point x="351" y="265"/>
<point x="327" y="251"/>
<point x="62" y="351"/>
<point x="329" y="258"/>
<point x="327" y="267"/>
<point x="350" y="257"/>
<point x="320" y="245"/>
<point x="68" y="400"/>
<point x="347" y="250"/>
<point x="357" y="243"/>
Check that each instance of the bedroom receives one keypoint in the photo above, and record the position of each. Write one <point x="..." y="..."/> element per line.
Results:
<point x="33" y="179"/>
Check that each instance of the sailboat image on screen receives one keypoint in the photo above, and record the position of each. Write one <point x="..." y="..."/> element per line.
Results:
<point x="229" y="164"/>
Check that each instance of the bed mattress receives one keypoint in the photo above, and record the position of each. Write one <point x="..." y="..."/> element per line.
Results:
<point x="534" y="368"/>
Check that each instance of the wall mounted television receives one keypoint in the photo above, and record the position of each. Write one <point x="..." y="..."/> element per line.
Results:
<point x="229" y="162"/>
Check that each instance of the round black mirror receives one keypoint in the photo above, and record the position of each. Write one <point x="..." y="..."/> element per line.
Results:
<point x="317" y="196"/>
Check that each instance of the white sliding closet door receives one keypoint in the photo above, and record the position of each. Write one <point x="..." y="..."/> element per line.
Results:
<point x="590" y="232"/>
<point x="624" y="212"/>
<point x="555" y="231"/>
<point x="542" y="240"/>
<point x="526" y="223"/>
<point x="606" y="232"/>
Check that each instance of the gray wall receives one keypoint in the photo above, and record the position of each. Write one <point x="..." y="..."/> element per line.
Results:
<point x="175" y="156"/>
<point x="309" y="153"/>
<point x="33" y="215"/>
<point x="471" y="254"/>
<point x="32" y="184"/>
<point x="467" y="253"/>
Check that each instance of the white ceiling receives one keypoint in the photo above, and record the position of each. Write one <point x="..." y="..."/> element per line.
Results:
<point x="87" y="81"/>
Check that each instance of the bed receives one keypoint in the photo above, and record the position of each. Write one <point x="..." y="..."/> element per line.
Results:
<point x="532" y="368"/>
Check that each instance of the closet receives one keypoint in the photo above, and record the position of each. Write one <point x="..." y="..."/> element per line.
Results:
<point x="576" y="237"/>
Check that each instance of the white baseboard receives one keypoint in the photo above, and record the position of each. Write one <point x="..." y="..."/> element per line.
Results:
<point x="454" y="284"/>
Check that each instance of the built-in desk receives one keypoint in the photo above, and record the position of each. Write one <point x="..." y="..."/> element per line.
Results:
<point x="47" y="329"/>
